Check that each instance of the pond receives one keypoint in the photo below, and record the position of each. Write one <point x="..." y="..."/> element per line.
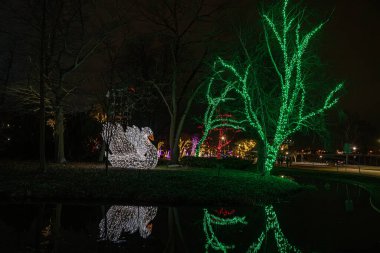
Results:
<point x="335" y="218"/>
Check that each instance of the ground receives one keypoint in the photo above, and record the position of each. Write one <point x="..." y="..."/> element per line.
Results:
<point x="89" y="182"/>
<point x="163" y="185"/>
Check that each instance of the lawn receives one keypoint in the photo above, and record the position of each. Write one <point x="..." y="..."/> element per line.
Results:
<point x="164" y="186"/>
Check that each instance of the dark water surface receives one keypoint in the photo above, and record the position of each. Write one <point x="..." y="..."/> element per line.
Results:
<point x="336" y="218"/>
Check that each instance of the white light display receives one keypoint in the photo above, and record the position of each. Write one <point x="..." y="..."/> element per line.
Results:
<point x="127" y="219"/>
<point x="130" y="148"/>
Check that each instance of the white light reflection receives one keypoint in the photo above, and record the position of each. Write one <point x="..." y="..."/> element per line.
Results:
<point x="127" y="219"/>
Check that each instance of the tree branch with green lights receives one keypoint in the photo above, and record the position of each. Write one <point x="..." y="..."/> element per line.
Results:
<point x="211" y="119"/>
<point x="273" y="114"/>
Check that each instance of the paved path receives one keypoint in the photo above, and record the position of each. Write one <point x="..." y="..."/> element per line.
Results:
<point x="373" y="171"/>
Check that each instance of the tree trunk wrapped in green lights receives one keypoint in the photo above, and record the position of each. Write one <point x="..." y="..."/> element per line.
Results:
<point x="276" y="114"/>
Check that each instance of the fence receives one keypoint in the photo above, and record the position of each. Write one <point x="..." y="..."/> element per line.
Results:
<point x="353" y="159"/>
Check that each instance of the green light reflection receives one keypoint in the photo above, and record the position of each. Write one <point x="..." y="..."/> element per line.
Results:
<point x="210" y="222"/>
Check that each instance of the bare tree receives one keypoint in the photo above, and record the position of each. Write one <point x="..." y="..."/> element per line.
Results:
<point x="69" y="37"/>
<point x="181" y="32"/>
<point x="43" y="166"/>
<point x="6" y="67"/>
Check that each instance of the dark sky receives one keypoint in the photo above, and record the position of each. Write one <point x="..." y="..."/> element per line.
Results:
<point x="351" y="49"/>
<point x="348" y="47"/>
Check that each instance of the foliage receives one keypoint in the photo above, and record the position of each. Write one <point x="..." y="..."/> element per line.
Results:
<point x="163" y="162"/>
<point x="244" y="148"/>
<point x="213" y="162"/>
<point x="83" y="140"/>
<point x="23" y="136"/>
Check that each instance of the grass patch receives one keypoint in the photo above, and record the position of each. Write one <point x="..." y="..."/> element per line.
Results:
<point x="164" y="186"/>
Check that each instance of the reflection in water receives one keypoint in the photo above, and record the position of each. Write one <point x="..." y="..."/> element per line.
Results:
<point x="129" y="219"/>
<point x="211" y="239"/>
<point x="271" y="223"/>
<point x="313" y="222"/>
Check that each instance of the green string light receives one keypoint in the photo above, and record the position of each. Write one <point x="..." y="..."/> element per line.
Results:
<point x="210" y="120"/>
<point x="293" y="113"/>
<point x="211" y="239"/>
<point x="271" y="224"/>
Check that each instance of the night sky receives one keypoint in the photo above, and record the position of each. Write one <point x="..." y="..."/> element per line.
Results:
<point x="348" y="47"/>
<point x="351" y="50"/>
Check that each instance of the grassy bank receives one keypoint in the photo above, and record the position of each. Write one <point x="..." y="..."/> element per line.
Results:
<point x="166" y="186"/>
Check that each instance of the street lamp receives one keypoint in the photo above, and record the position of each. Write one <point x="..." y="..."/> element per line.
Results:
<point x="223" y="145"/>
